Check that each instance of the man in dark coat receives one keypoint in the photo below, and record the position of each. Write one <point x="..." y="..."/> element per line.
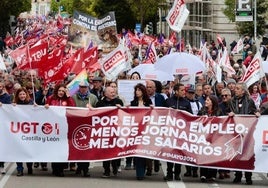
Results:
<point x="241" y="103"/>
<point x="110" y="99"/>
<point x="177" y="101"/>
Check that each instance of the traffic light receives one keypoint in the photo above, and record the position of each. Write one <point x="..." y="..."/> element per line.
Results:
<point x="150" y="28"/>
<point x="146" y="29"/>
<point x="61" y="8"/>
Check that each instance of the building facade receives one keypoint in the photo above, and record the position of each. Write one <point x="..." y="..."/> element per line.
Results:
<point x="40" y="7"/>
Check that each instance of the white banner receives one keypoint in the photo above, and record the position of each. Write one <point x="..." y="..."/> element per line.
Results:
<point x="58" y="134"/>
<point x="29" y="133"/>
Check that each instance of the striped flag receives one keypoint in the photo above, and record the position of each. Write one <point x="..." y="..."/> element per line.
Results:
<point x="73" y="86"/>
<point x="254" y="71"/>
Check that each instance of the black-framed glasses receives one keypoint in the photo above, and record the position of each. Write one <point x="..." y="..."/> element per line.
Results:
<point x="224" y="95"/>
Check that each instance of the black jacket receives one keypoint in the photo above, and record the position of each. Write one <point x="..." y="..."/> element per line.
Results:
<point x="136" y="103"/>
<point x="104" y="102"/>
<point x="179" y="103"/>
<point x="243" y="105"/>
<point x="204" y="111"/>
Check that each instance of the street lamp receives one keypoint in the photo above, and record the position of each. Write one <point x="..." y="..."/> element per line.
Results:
<point x="255" y="20"/>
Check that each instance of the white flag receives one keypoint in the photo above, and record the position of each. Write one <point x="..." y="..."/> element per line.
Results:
<point x="115" y="62"/>
<point x="254" y="71"/>
<point x="225" y="63"/>
<point x="2" y="64"/>
<point x="238" y="47"/>
<point x="177" y="15"/>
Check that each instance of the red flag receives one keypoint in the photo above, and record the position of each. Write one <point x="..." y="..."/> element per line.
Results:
<point x="21" y="57"/>
<point x="91" y="57"/>
<point x="173" y="39"/>
<point x="31" y="40"/>
<point x="56" y="73"/>
<point x="60" y="23"/>
<point x="147" y="39"/>
<point x="53" y="65"/>
<point x="134" y="39"/>
<point x="75" y="63"/>
<point x="39" y="55"/>
<point x="9" y="40"/>
<point x="94" y="67"/>
<point x="18" y="40"/>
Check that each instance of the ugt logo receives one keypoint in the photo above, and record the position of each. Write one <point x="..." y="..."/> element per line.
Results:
<point x="265" y="137"/>
<point x="33" y="127"/>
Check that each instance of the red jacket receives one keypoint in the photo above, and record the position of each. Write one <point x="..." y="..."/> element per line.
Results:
<point x="51" y="100"/>
<point x="247" y="60"/>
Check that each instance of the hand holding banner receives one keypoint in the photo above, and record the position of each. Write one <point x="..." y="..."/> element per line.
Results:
<point x="75" y="134"/>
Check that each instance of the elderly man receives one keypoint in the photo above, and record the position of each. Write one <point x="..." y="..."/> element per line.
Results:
<point x="157" y="100"/>
<point x="231" y="85"/>
<point x="241" y="103"/>
<point x="224" y="107"/>
<point x="195" y="106"/>
<point x="83" y="98"/>
<point x="97" y="87"/>
<point x="110" y="99"/>
<point x="218" y="88"/>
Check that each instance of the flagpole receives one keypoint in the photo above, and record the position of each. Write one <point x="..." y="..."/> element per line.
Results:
<point x="31" y="72"/>
<point x="180" y="41"/>
<point x="255" y="20"/>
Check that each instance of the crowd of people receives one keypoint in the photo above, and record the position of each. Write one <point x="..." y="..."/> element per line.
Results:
<point x="228" y="97"/>
<point x="225" y="99"/>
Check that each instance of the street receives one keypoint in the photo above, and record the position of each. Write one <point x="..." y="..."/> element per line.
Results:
<point x="42" y="179"/>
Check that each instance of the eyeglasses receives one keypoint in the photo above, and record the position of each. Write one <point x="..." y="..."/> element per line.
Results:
<point x="224" y="95"/>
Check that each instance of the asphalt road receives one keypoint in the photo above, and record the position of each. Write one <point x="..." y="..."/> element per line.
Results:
<point x="44" y="179"/>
